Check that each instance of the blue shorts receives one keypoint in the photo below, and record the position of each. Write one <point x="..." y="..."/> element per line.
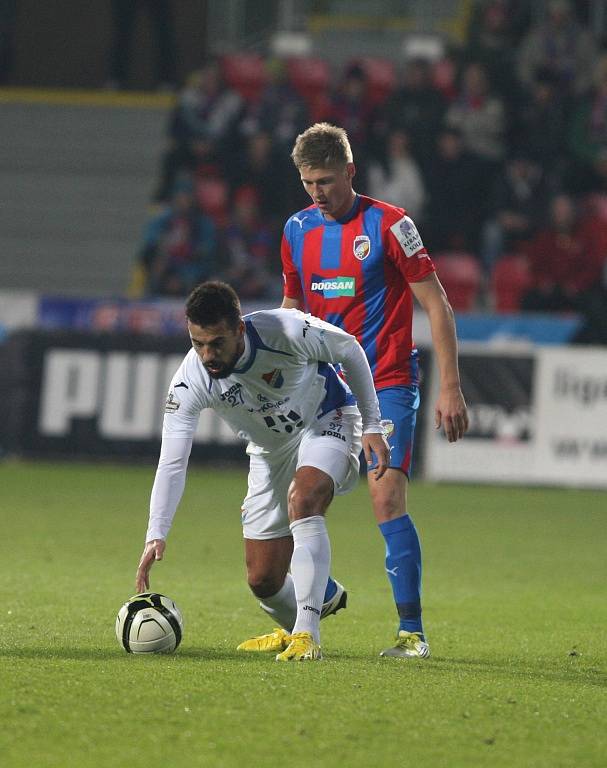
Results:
<point x="398" y="406"/>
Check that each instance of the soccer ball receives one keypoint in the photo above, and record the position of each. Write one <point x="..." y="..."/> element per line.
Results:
<point x="149" y="623"/>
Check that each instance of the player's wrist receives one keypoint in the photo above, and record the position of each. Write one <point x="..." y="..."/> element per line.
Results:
<point x="451" y="386"/>
<point x="373" y="429"/>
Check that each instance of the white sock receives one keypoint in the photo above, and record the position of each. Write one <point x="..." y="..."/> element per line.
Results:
<point x="310" y="565"/>
<point x="282" y="606"/>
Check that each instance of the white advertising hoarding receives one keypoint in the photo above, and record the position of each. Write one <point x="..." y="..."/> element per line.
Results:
<point x="536" y="417"/>
<point x="571" y="416"/>
<point x="498" y="386"/>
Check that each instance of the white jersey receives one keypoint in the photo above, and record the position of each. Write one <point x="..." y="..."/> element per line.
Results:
<point x="282" y="383"/>
<point x="283" y="380"/>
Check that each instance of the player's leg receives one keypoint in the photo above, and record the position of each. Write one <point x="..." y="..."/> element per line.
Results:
<point x="267" y="562"/>
<point x="328" y="463"/>
<point x="269" y="545"/>
<point x="389" y="498"/>
<point x="310" y="494"/>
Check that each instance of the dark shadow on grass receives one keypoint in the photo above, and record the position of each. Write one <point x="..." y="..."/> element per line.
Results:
<point x="437" y="665"/>
<point x="96" y="655"/>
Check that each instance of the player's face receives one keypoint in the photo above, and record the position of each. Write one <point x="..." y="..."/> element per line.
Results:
<point x="218" y="346"/>
<point x="330" y="189"/>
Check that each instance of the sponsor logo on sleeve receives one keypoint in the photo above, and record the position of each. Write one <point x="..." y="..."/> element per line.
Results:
<point x="409" y="238"/>
<point x="361" y="247"/>
<point x="333" y="287"/>
<point x="172" y="403"/>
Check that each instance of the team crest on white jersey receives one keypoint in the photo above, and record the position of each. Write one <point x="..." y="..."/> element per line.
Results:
<point x="274" y="378"/>
<point x="361" y="247"/>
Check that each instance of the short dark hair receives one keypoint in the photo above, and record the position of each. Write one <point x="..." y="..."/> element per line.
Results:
<point x="211" y="302"/>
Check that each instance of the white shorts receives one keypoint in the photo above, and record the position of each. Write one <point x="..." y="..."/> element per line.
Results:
<point x="332" y="444"/>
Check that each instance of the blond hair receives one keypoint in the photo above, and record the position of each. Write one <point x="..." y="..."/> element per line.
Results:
<point x="322" y="146"/>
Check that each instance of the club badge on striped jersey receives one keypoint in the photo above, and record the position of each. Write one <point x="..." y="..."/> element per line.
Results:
<point x="361" y="247"/>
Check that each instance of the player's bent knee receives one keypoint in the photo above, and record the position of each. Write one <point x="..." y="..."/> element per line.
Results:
<point x="264" y="585"/>
<point x="308" y="501"/>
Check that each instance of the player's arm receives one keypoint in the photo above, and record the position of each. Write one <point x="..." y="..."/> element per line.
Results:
<point x="325" y="342"/>
<point x="450" y="409"/>
<point x="166" y="495"/>
<point x="180" y="420"/>
<point x="289" y="303"/>
<point x="293" y="297"/>
<point x="355" y="367"/>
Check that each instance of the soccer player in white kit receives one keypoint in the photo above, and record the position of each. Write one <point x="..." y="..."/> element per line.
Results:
<point x="270" y="376"/>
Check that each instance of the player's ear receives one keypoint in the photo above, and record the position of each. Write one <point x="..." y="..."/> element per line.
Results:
<point x="350" y="170"/>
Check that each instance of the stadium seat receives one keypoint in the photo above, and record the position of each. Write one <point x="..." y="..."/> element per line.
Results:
<point x="444" y="72"/>
<point x="212" y="194"/>
<point x="245" y="72"/>
<point x="460" y="274"/>
<point x="381" y="77"/>
<point x="510" y="280"/>
<point x="309" y="76"/>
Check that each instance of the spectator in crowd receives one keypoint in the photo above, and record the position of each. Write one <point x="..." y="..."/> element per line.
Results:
<point x="453" y="199"/>
<point x="351" y="108"/>
<point x="559" y="44"/>
<point x="566" y="258"/>
<point x="179" y="246"/>
<point x="588" y="136"/>
<point x="124" y="17"/>
<point x="201" y="127"/>
<point x="397" y="178"/>
<point x="515" y="207"/>
<point x="279" y="111"/>
<point x="261" y="166"/>
<point x="480" y="116"/>
<point x="417" y="108"/>
<point x="250" y="248"/>
<point x="492" y="39"/>
<point x="540" y="128"/>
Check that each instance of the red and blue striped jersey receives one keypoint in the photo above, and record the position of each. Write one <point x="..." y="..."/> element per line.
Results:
<point x="355" y="273"/>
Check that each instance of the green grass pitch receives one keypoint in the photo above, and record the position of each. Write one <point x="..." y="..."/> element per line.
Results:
<point x="515" y="610"/>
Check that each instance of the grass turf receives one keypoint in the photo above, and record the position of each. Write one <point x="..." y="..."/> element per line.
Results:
<point x="515" y="612"/>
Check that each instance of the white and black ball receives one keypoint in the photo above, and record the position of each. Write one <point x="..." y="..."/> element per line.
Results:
<point x="149" y="623"/>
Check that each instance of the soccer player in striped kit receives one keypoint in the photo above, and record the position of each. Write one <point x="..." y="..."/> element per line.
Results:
<point x="357" y="263"/>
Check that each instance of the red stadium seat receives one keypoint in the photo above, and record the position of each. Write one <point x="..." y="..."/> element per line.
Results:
<point x="444" y="72"/>
<point x="381" y="77"/>
<point x="510" y="280"/>
<point x="309" y="76"/>
<point x="212" y="194"/>
<point x="245" y="72"/>
<point x="460" y="275"/>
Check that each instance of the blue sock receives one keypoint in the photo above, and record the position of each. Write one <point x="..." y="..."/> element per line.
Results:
<point x="330" y="590"/>
<point x="404" y="569"/>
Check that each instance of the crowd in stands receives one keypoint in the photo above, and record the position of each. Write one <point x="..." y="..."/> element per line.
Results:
<point x="498" y="150"/>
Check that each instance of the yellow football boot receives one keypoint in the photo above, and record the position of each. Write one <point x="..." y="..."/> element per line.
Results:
<point x="275" y="641"/>
<point x="301" y="648"/>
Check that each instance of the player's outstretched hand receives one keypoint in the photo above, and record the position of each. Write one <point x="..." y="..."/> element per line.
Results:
<point x="376" y="443"/>
<point x="153" y="550"/>
<point x="452" y="413"/>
